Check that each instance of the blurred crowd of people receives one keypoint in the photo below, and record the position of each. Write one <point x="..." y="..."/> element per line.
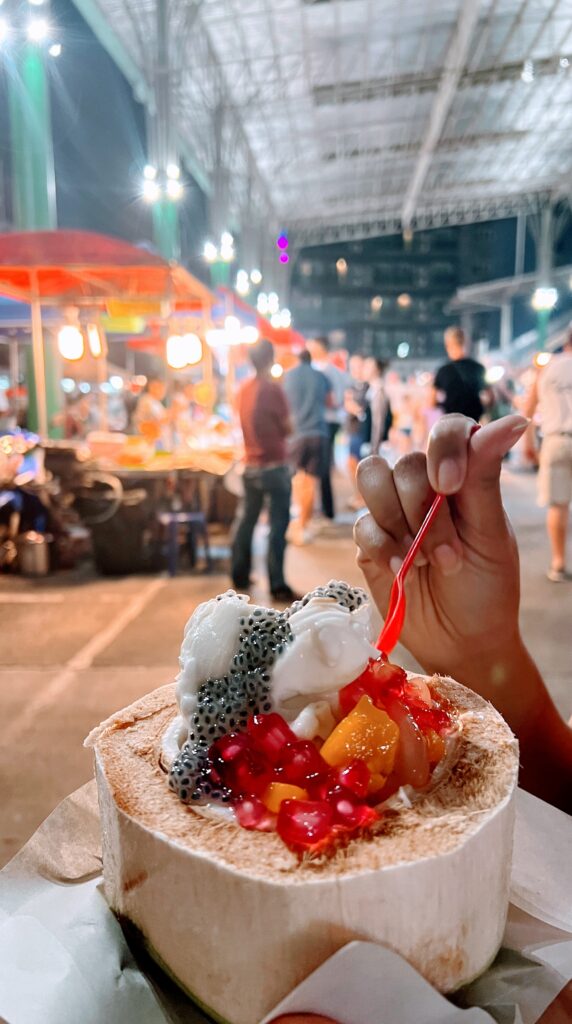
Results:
<point x="333" y="409"/>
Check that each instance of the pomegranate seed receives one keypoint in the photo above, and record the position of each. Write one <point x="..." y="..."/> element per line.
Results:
<point x="375" y="681"/>
<point x="348" y="810"/>
<point x="251" y="813"/>
<point x="301" y="762"/>
<point x="303" y="823"/>
<point x="354" y="776"/>
<point x="270" y="734"/>
<point x="228" y="748"/>
<point x="249" y="775"/>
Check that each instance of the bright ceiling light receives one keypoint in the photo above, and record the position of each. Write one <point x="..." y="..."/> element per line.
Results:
<point x="403" y="350"/>
<point x="150" y="172"/>
<point x="173" y="171"/>
<point x="262" y="303"/>
<point x="226" y="240"/>
<point x="277" y="371"/>
<point x="404" y="300"/>
<point x="341" y="266"/>
<point x="94" y="340"/>
<point x="544" y="299"/>
<point x="376" y="303"/>
<point x="174" y="189"/>
<point x="210" y="252"/>
<point x="285" y="317"/>
<point x="38" y="30"/>
<point x="70" y="343"/>
<point x="273" y="302"/>
<point x="255" y="276"/>
<point x="55" y="50"/>
<point x="151" y="191"/>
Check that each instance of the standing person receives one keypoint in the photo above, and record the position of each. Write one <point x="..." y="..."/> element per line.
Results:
<point x="358" y="427"/>
<point x="307" y="391"/>
<point x="265" y="421"/>
<point x="319" y="349"/>
<point x="460" y="384"/>
<point x="552" y="394"/>
<point x="150" y="418"/>
<point x="380" y="409"/>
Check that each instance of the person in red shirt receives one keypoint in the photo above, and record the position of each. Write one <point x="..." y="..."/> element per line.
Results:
<point x="265" y="421"/>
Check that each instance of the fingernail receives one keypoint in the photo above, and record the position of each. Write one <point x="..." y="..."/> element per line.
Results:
<point x="449" y="476"/>
<point x="447" y="559"/>
<point x="395" y="563"/>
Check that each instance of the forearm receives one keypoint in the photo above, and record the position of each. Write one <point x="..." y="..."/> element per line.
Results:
<point x="510" y="680"/>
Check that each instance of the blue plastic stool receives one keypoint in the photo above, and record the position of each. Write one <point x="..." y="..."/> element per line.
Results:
<point x="197" y="530"/>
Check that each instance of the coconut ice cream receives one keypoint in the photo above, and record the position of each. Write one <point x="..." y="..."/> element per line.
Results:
<point x="317" y="793"/>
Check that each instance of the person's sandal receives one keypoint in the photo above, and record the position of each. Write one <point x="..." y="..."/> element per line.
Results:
<point x="558" y="575"/>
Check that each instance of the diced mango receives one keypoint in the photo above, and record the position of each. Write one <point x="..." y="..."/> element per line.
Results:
<point x="276" y="792"/>
<point x="435" y="746"/>
<point x="368" y="734"/>
<point x="376" y="782"/>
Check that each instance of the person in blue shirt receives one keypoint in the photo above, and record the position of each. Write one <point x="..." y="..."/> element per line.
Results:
<point x="308" y="394"/>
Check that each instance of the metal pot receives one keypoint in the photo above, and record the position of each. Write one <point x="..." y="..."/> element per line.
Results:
<point x="34" y="553"/>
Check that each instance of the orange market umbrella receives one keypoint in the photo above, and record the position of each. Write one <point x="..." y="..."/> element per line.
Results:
<point x="81" y="268"/>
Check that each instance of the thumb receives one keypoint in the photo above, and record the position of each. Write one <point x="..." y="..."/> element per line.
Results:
<point x="468" y="465"/>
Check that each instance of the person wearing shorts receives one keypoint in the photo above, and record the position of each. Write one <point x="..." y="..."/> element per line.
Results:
<point x="552" y="394"/>
<point x="307" y="391"/>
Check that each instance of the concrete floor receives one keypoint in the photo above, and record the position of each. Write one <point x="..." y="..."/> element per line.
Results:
<point x="75" y="648"/>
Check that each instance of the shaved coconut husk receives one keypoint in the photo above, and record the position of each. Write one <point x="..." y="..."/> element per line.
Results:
<point x="239" y="921"/>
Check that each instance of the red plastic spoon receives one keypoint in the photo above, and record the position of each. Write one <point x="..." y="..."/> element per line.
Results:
<point x="396" y="612"/>
<point x="393" y="624"/>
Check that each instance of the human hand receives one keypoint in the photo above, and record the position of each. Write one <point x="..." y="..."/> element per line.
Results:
<point x="463" y="596"/>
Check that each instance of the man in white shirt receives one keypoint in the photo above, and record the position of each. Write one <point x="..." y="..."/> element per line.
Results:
<point x="552" y="393"/>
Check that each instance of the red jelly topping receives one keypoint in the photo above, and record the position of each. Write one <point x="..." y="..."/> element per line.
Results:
<point x="301" y="763"/>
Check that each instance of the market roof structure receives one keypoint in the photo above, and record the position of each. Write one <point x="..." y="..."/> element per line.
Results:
<point x="346" y="117"/>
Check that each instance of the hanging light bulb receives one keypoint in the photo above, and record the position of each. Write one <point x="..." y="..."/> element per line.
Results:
<point x="94" y="341"/>
<point x="70" y="342"/>
<point x="210" y="252"/>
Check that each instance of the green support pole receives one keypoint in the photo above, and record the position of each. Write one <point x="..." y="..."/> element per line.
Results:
<point x="542" y="318"/>
<point x="166" y="228"/>
<point x="34" y="191"/>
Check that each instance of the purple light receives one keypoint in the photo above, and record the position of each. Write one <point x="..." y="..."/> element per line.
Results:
<point x="282" y="242"/>
<point x="284" y="257"/>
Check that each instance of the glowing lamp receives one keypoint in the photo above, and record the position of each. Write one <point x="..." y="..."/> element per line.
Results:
<point x="275" y="320"/>
<point x="277" y="371"/>
<point x="94" y="341"/>
<point x="404" y="300"/>
<point x="210" y="252"/>
<point x="174" y="189"/>
<point x="341" y="266"/>
<point x="282" y="242"/>
<point x="262" y="303"/>
<point x="542" y="359"/>
<point x="193" y="348"/>
<point x="273" y="303"/>
<point x="150" y="172"/>
<point x="284" y="257"/>
<point x="55" y="50"/>
<point x="70" y="343"/>
<point x="38" y="30"/>
<point x="255" y="276"/>
<point x="176" y="352"/>
<point x="544" y="299"/>
<point x="249" y="335"/>
<point x="4" y="30"/>
<point x="376" y="303"/>
<point x="151" y="191"/>
<point x="173" y="172"/>
<point x="403" y="350"/>
<point x="285" y="318"/>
